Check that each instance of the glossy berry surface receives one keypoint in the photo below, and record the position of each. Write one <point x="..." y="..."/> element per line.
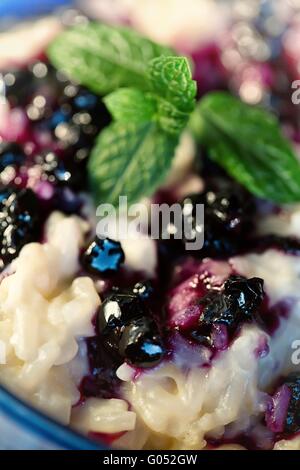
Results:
<point x="127" y="329"/>
<point x="246" y="294"/>
<point x="119" y="309"/>
<point x="102" y="381"/>
<point x="58" y="170"/>
<point x="19" y="222"/>
<point x="11" y="154"/>
<point x="227" y="219"/>
<point x="77" y="120"/>
<point x="141" y="344"/>
<point x="237" y="303"/>
<point x="103" y="257"/>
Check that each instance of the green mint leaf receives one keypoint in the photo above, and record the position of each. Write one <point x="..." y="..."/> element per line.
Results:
<point x="169" y="103"/>
<point x="129" y="160"/>
<point x="104" y="58"/>
<point x="131" y="105"/>
<point x="171" y="79"/>
<point x="247" y="142"/>
<point x="174" y="90"/>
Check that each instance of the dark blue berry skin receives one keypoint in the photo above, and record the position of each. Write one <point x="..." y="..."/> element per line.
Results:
<point x="218" y="309"/>
<point x="102" y="382"/>
<point x="103" y="257"/>
<point x="292" y="421"/>
<point x="141" y="344"/>
<point x="238" y="303"/>
<point x="127" y="329"/>
<point x="60" y="171"/>
<point x="20" y="223"/>
<point x="228" y="211"/>
<point x="246" y="294"/>
<point x="85" y="115"/>
<point x="11" y="154"/>
<point x="120" y="309"/>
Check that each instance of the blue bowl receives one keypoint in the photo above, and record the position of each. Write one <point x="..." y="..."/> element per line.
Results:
<point x="29" y="8"/>
<point x="23" y="427"/>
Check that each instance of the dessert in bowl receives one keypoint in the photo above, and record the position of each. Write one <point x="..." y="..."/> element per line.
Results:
<point x="140" y="342"/>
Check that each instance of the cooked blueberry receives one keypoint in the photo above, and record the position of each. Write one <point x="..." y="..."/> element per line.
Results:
<point x="237" y="303"/>
<point x="218" y="309"/>
<point x="292" y="421"/>
<point x="143" y="289"/>
<point x="21" y="204"/>
<point x="141" y="344"/>
<point x="59" y="171"/>
<point x="103" y="257"/>
<point x="80" y="118"/>
<point x="11" y="154"/>
<point x="102" y="381"/>
<point x="19" y="223"/>
<point x="119" y="309"/>
<point x="227" y="218"/>
<point x="248" y="294"/>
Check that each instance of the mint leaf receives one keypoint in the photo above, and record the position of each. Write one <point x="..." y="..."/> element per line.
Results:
<point x="169" y="103"/>
<point x="131" y="105"/>
<point x="104" y="58"/>
<point x="130" y="159"/>
<point x="171" y="79"/>
<point x="174" y="91"/>
<point x="133" y="156"/>
<point x="247" y="142"/>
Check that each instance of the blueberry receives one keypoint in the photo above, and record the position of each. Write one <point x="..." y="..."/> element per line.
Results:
<point x="237" y="303"/>
<point x="141" y="344"/>
<point x="19" y="222"/>
<point x="127" y="329"/>
<point x="11" y="154"/>
<point x="102" y="381"/>
<point x="292" y="421"/>
<point x="143" y="289"/>
<point x="85" y="115"/>
<point x="21" y="204"/>
<point x="228" y="211"/>
<point x="247" y="294"/>
<point x="103" y="257"/>
<point x="218" y="309"/>
<point x="59" y="171"/>
<point x="118" y="309"/>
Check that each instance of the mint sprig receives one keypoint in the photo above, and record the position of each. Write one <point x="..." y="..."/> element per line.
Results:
<point x="133" y="155"/>
<point x="105" y="58"/>
<point x="169" y="101"/>
<point x="247" y="142"/>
